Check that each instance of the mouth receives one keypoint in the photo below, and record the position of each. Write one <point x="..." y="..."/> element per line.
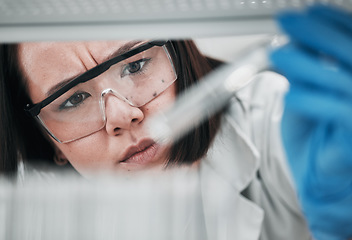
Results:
<point x="142" y="153"/>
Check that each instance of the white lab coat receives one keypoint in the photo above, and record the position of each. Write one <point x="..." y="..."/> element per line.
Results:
<point x="246" y="188"/>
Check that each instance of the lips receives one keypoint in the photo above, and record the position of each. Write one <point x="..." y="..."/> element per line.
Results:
<point x="141" y="153"/>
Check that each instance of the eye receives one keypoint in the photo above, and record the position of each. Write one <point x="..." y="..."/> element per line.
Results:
<point x="75" y="100"/>
<point x="134" y="67"/>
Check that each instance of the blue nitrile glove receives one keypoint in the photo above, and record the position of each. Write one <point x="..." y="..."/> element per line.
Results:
<point x="317" y="120"/>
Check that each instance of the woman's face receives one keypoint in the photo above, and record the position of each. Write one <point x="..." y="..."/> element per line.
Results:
<point x="123" y="143"/>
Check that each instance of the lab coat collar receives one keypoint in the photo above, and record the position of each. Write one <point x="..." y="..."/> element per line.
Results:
<point x="233" y="154"/>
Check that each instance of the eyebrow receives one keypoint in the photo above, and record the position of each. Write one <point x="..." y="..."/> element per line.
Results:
<point x="121" y="50"/>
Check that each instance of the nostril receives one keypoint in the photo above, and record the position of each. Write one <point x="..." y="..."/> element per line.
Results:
<point x="135" y="120"/>
<point x="116" y="129"/>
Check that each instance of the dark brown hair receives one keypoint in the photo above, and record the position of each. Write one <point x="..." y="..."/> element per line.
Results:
<point x="192" y="66"/>
<point x="23" y="138"/>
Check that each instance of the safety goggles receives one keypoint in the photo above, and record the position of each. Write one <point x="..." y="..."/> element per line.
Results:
<point x="136" y="77"/>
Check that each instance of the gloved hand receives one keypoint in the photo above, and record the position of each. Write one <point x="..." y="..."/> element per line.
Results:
<point x="317" y="120"/>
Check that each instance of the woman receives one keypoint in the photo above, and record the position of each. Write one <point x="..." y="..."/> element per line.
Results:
<point x="32" y="144"/>
<point x="86" y="104"/>
<point x="81" y="112"/>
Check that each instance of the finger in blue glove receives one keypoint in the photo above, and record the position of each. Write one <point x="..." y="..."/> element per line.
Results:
<point x="316" y="124"/>
<point x="323" y="29"/>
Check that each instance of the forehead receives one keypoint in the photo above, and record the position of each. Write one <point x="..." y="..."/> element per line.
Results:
<point x="29" y="52"/>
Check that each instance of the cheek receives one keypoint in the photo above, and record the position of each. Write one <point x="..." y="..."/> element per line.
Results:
<point x="164" y="100"/>
<point x="87" y="154"/>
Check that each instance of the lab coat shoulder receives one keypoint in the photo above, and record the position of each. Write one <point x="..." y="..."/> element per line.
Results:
<point x="248" y="161"/>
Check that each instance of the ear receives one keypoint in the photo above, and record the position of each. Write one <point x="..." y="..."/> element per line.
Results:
<point x="60" y="158"/>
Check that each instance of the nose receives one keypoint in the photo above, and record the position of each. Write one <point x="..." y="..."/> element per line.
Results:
<point x="120" y="114"/>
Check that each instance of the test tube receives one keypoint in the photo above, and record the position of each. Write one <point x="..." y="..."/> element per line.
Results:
<point x="213" y="92"/>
